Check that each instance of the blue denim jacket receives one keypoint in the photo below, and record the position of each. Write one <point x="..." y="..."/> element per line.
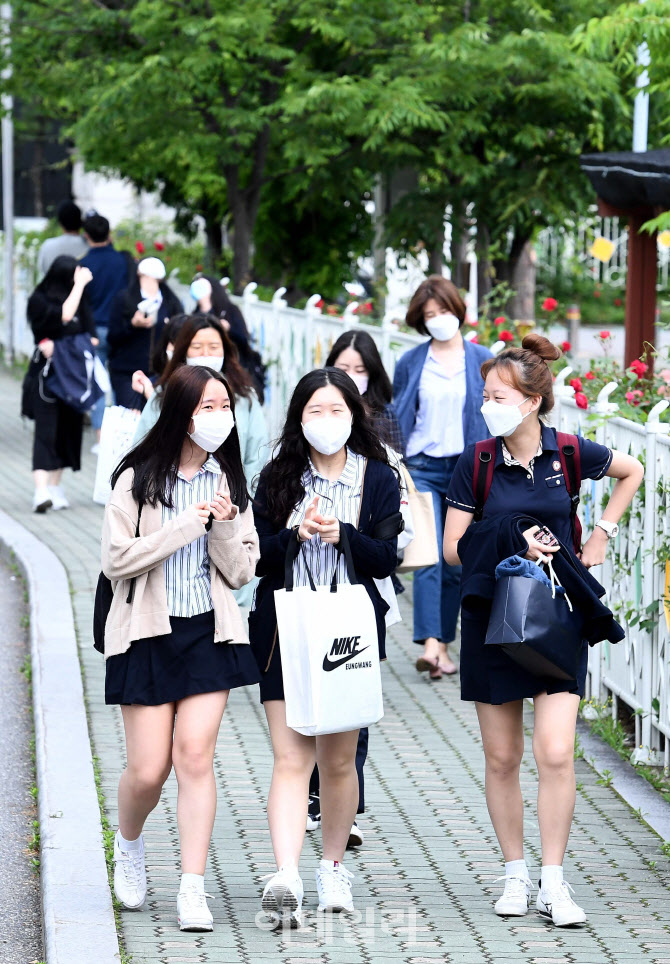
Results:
<point x="406" y="390"/>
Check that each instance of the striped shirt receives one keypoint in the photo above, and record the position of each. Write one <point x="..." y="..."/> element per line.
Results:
<point x="187" y="576"/>
<point x="342" y="499"/>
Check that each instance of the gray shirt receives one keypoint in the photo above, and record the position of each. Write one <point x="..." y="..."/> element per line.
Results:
<point x="73" y="245"/>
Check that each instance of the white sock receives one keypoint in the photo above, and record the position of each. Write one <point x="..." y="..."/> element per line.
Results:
<point x="127" y="845"/>
<point x="195" y="881"/>
<point x="517" y="868"/>
<point x="551" y="877"/>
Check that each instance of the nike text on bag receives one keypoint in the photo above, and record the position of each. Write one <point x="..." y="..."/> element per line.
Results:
<point x="329" y="652"/>
<point x="423" y="550"/>
<point x="537" y="626"/>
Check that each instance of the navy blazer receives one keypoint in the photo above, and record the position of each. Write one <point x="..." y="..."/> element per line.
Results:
<point x="373" y="558"/>
<point x="406" y="390"/>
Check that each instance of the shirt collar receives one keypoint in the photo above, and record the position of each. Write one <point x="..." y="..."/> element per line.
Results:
<point x="348" y="476"/>
<point x="548" y="443"/>
<point x="210" y="465"/>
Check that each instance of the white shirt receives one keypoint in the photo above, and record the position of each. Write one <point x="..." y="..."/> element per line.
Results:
<point x="187" y="578"/>
<point x="341" y="499"/>
<point x="438" y="429"/>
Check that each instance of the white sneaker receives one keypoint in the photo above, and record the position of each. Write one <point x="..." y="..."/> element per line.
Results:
<point x="282" y="896"/>
<point x="42" y="500"/>
<point x="334" y="887"/>
<point x="558" y="905"/>
<point x="355" y="837"/>
<point x="192" y="910"/>
<point x="130" y="877"/>
<point x="515" y="899"/>
<point x="58" y="498"/>
<point x="313" y="812"/>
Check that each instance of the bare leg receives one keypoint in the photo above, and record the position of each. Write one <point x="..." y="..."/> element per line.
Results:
<point x="502" y="733"/>
<point x="149" y="752"/>
<point x="55" y="477"/>
<point x="446" y="662"/>
<point x="554" y="751"/>
<point x="336" y="758"/>
<point x="431" y="648"/>
<point x="294" y="757"/>
<point x="41" y="478"/>
<point x="195" y="733"/>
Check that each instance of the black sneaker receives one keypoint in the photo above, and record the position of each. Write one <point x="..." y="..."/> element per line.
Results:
<point x="355" y="837"/>
<point x="314" y="812"/>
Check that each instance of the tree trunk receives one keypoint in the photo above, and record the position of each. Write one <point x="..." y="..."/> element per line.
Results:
<point x="214" y="237"/>
<point x="523" y="271"/>
<point x="460" y="269"/>
<point x="242" y="233"/>
<point x="436" y="251"/>
<point x="484" y="266"/>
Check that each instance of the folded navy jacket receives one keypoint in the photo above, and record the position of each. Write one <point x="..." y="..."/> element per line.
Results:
<point x="485" y="544"/>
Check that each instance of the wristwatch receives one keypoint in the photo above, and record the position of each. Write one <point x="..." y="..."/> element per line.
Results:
<point x="611" y="528"/>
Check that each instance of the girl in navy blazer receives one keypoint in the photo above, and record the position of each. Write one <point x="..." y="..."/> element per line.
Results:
<point x="329" y="472"/>
<point x="437" y="394"/>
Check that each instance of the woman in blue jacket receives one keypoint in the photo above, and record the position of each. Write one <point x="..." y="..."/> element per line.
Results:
<point x="437" y="395"/>
<point x="329" y="472"/>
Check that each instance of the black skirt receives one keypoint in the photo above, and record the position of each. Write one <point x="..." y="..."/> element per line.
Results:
<point x="58" y="433"/>
<point x="489" y="675"/>
<point x="164" y="669"/>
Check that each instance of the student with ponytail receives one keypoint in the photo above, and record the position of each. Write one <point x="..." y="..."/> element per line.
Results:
<point x="528" y="479"/>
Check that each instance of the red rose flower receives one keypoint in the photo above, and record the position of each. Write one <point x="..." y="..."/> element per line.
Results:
<point x="473" y="322"/>
<point x="581" y="400"/>
<point x="639" y="367"/>
<point x="500" y="320"/>
<point x="596" y="294"/>
<point x="590" y="376"/>
<point x="576" y="383"/>
<point x="550" y="304"/>
<point x="139" y="247"/>
<point x="366" y="308"/>
<point x="604" y="335"/>
<point x="474" y="341"/>
<point x="566" y="346"/>
<point x="618" y="302"/>
<point x="506" y="335"/>
<point x="198" y="267"/>
<point x="319" y="303"/>
<point x="159" y="246"/>
<point x="634" y="397"/>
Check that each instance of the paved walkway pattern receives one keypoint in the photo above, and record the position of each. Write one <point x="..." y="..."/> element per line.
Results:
<point x="425" y="877"/>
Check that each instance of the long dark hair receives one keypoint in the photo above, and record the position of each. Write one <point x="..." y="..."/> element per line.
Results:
<point x="155" y="460"/>
<point x="57" y="284"/>
<point x="168" y="336"/>
<point x="282" y="477"/>
<point x="380" y="391"/>
<point x="240" y="381"/>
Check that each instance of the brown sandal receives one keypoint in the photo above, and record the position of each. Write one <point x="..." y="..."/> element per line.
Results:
<point x="431" y="666"/>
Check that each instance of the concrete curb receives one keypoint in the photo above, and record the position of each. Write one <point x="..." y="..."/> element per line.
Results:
<point x="638" y="793"/>
<point x="77" y="907"/>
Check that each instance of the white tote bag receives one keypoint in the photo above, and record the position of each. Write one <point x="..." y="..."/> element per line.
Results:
<point x="116" y="438"/>
<point x="329" y="654"/>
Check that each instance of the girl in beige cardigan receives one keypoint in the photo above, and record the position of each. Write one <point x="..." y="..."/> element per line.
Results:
<point x="178" y="537"/>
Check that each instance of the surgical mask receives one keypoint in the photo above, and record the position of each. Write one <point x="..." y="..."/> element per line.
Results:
<point x="328" y="434"/>
<point x="502" y="420"/>
<point x="215" y="362"/>
<point x="361" y="381"/>
<point x="200" y="288"/>
<point x="443" y="327"/>
<point x="169" y="353"/>
<point x="211" y="429"/>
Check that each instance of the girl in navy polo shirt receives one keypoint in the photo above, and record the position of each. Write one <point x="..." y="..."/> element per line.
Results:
<point x="527" y="478"/>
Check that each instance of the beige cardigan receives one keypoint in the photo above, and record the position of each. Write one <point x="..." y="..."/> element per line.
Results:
<point x="233" y="554"/>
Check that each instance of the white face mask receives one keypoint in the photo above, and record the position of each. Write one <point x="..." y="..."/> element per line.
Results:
<point x="443" y="327"/>
<point x="215" y="362"/>
<point x="211" y="429"/>
<point x="361" y="381"/>
<point x="328" y="434"/>
<point x="169" y="353"/>
<point x="502" y="420"/>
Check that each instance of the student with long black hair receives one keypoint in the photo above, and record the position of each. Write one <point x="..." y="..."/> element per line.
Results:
<point x="58" y="308"/>
<point x="178" y="537"/>
<point x="329" y="471"/>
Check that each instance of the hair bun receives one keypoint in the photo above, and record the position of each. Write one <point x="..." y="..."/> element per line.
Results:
<point x="541" y="346"/>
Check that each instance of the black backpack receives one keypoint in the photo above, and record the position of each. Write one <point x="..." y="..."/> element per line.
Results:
<point x="104" y="594"/>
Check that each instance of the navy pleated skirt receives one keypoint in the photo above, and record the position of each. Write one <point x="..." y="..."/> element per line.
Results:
<point x="164" y="669"/>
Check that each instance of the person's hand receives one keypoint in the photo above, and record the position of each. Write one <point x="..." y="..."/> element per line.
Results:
<point x="310" y="524"/>
<point x="138" y="320"/>
<point x="222" y="507"/>
<point x="595" y="548"/>
<point x="141" y="384"/>
<point x="82" y="276"/>
<point x="537" y="549"/>
<point x="329" y="530"/>
<point x="204" y="511"/>
<point x="46" y="347"/>
<point x="95" y="342"/>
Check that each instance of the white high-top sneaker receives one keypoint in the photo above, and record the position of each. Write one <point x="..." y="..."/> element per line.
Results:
<point x="557" y="904"/>
<point x="130" y="877"/>
<point x="515" y="899"/>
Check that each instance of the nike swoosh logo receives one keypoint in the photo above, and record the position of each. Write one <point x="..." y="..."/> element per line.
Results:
<point x="333" y="664"/>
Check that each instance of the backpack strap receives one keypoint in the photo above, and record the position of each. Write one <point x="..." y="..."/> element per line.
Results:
<point x="568" y="452"/>
<point x="482" y="474"/>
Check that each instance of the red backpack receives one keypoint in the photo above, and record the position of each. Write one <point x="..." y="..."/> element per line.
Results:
<point x="568" y="452"/>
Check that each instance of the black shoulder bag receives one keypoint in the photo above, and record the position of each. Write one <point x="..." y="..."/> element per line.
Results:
<point x="103" y="600"/>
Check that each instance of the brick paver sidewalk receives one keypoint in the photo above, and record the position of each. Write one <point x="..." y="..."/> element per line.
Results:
<point x="425" y="876"/>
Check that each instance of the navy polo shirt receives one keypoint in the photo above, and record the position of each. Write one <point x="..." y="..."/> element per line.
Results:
<point x="540" y="492"/>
